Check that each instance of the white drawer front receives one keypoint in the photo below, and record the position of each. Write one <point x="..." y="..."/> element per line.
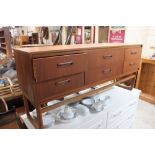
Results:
<point x="125" y="122"/>
<point x="115" y="118"/>
<point x="98" y="125"/>
<point x="97" y="122"/>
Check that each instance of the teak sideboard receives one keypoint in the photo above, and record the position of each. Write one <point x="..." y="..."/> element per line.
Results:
<point x="51" y="72"/>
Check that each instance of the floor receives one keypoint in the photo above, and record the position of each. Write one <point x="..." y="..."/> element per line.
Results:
<point x="145" y="116"/>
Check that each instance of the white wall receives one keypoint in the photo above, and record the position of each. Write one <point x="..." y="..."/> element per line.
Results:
<point x="141" y="34"/>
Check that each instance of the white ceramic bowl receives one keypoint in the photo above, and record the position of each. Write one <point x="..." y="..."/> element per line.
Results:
<point x="87" y="101"/>
<point x="61" y="119"/>
<point x="48" y="121"/>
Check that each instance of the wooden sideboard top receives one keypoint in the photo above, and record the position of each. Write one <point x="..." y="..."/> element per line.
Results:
<point x="57" y="48"/>
<point x="149" y="61"/>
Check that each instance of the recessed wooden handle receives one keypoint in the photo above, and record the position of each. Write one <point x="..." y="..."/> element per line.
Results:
<point x="131" y="64"/>
<point x="107" y="71"/>
<point x="64" y="82"/>
<point x="107" y="56"/>
<point x="133" y="52"/>
<point x="64" y="64"/>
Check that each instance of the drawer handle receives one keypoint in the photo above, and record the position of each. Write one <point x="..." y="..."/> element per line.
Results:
<point x="133" y="52"/>
<point x="131" y="104"/>
<point x="117" y="114"/>
<point x="64" y="64"/>
<point x="63" y="82"/>
<point x="107" y="71"/>
<point x="132" y="64"/>
<point x="107" y="56"/>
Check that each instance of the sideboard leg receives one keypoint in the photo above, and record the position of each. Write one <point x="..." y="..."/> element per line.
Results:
<point x="26" y="104"/>
<point x="39" y="117"/>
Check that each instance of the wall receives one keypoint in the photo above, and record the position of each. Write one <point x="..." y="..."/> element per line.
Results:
<point x="141" y="34"/>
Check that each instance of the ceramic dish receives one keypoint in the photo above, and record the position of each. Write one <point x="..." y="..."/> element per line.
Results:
<point x="97" y="107"/>
<point x="61" y="119"/>
<point x="48" y="121"/>
<point x="81" y="109"/>
<point x="88" y="101"/>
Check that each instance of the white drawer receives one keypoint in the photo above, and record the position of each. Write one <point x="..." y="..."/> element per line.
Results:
<point x="125" y="122"/>
<point x="117" y="116"/>
<point x="132" y="105"/>
<point x="114" y="116"/>
<point x="98" y="125"/>
<point x="97" y="122"/>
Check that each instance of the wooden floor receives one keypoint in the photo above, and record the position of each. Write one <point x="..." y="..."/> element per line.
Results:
<point x="20" y="111"/>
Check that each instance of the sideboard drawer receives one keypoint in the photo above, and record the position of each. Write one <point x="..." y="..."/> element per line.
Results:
<point x="131" y="66"/>
<point x="132" y="54"/>
<point x="59" y="86"/>
<point x="108" y="71"/>
<point x="59" y="66"/>
<point x="102" y="57"/>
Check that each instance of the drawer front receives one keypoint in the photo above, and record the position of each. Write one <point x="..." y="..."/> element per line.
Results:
<point x="95" y="122"/>
<point x="108" y="71"/>
<point x="115" y="118"/>
<point x="120" y="121"/>
<point x="98" y="125"/>
<point x="59" y="66"/>
<point x="132" y="54"/>
<point x="127" y="124"/>
<point x="102" y="57"/>
<point x="59" y="86"/>
<point x="131" y="66"/>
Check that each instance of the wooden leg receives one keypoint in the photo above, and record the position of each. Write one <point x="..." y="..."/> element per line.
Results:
<point x="26" y="104"/>
<point x="134" y="81"/>
<point x="39" y="117"/>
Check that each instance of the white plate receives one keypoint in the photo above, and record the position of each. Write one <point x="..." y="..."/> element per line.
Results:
<point x="87" y="101"/>
<point x="60" y="119"/>
<point x="81" y="109"/>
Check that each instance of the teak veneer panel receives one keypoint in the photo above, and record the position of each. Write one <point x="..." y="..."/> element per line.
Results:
<point x="59" y="66"/>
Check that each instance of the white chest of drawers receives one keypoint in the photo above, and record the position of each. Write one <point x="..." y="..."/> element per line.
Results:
<point x="118" y="114"/>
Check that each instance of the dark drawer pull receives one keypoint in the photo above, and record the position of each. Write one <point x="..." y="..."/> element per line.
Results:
<point x="133" y="52"/>
<point x="107" y="56"/>
<point x="119" y="113"/>
<point x="64" y="82"/>
<point x="64" y="64"/>
<point x="107" y="71"/>
<point x="132" y="64"/>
